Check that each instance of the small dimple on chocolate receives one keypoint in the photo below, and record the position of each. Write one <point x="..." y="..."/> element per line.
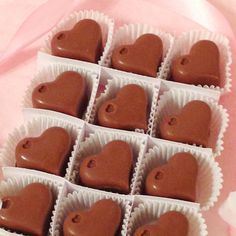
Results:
<point x="123" y="51"/>
<point x="110" y="108"/>
<point x="158" y="175"/>
<point x="145" y="233"/>
<point x="76" y="219"/>
<point x="91" y="164"/>
<point x="61" y="36"/>
<point x="184" y="61"/>
<point x="6" y="204"/>
<point x="27" y="144"/>
<point x="172" y="121"/>
<point x="42" y="89"/>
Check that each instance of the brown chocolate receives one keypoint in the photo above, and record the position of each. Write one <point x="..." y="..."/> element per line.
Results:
<point x="191" y="125"/>
<point x="200" y="66"/>
<point x="66" y="94"/>
<point x="128" y="110"/>
<point x="28" y="211"/>
<point x="82" y="42"/>
<point x="110" y="169"/>
<point x="172" y="223"/>
<point x="103" y="218"/>
<point x="176" y="179"/>
<point x="143" y="57"/>
<point x="49" y="152"/>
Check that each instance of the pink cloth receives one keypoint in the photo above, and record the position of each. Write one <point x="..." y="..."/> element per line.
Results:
<point x="13" y="82"/>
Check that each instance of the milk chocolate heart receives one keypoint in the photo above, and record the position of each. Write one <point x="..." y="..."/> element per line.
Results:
<point x="48" y="152"/>
<point x="191" y="125"/>
<point x="66" y="94"/>
<point x="110" y="169"/>
<point x="128" y="110"/>
<point x="28" y="211"/>
<point x="143" y="57"/>
<point x="172" y="223"/>
<point x="200" y="66"/>
<point x="82" y="42"/>
<point x="176" y="179"/>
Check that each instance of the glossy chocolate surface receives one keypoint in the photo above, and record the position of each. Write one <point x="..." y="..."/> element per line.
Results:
<point x="103" y="218"/>
<point x="172" y="223"/>
<point x="28" y="211"/>
<point x="128" y="110"/>
<point x="110" y="169"/>
<point x="66" y="94"/>
<point x="175" y="179"/>
<point x="200" y="66"/>
<point x="143" y="57"/>
<point x="49" y="152"/>
<point x="191" y="125"/>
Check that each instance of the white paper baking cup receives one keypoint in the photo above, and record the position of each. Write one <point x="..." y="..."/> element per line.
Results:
<point x="17" y="178"/>
<point x="209" y="180"/>
<point x="171" y="102"/>
<point x="34" y="128"/>
<point x="150" y="210"/>
<point x="183" y="44"/>
<point x="106" y="24"/>
<point x="84" y="198"/>
<point x="94" y="143"/>
<point x="50" y="73"/>
<point x="127" y="34"/>
<point x="116" y="81"/>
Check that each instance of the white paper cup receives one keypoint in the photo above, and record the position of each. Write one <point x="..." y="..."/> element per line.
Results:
<point x="95" y="141"/>
<point x="127" y="34"/>
<point x="171" y="102"/>
<point x="209" y="180"/>
<point x="148" y="211"/>
<point x="184" y="43"/>
<point x="51" y="72"/>
<point x="83" y="198"/>
<point x="106" y="24"/>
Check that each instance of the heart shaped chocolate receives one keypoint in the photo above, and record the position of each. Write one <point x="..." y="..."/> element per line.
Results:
<point x="103" y="218"/>
<point x="82" y="42"/>
<point x="191" y="125"/>
<point x="143" y="57"/>
<point x="176" y="179"/>
<point x="66" y="94"/>
<point x="110" y="169"/>
<point x="48" y="152"/>
<point x="172" y="223"/>
<point x="28" y="211"/>
<point x="200" y="66"/>
<point x="128" y="110"/>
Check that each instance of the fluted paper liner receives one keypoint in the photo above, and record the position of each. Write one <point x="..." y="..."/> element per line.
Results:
<point x="209" y="180"/>
<point x="171" y="103"/>
<point x="84" y="198"/>
<point x="94" y="143"/>
<point x="50" y="73"/>
<point x="149" y="211"/>
<point x="106" y="24"/>
<point x="35" y="128"/>
<point x="183" y="44"/>
<point x="127" y="34"/>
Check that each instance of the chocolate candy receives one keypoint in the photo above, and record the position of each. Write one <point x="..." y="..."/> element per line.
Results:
<point x="82" y="42"/>
<point x="172" y="223"/>
<point x="28" y="211"/>
<point x="200" y="66"/>
<point x="176" y="179"/>
<point x="191" y="125"/>
<point x="110" y="169"/>
<point x="128" y="110"/>
<point x="143" y="57"/>
<point x="103" y="218"/>
<point x="66" y="94"/>
<point x="48" y="152"/>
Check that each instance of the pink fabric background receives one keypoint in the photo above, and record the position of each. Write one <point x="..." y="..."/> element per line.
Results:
<point x="14" y="81"/>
